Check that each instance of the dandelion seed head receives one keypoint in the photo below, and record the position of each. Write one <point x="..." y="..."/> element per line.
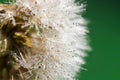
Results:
<point x="47" y="37"/>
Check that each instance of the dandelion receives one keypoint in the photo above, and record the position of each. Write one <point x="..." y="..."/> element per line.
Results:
<point x="42" y="40"/>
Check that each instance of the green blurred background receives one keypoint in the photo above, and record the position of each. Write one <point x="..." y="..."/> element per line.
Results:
<point x="103" y="62"/>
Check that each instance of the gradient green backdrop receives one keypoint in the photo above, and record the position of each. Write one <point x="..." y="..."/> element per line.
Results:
<point x="103" y="62"/>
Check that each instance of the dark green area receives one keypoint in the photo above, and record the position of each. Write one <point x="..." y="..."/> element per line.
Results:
<point x="103" y="62"/>
<point x="7" y="1"/>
